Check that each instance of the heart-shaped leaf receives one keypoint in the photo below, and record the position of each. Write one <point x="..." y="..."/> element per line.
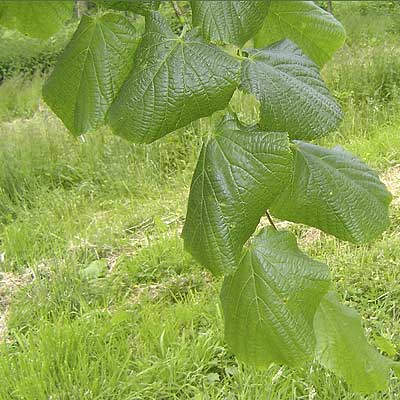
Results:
<point x="90" y="71"/>
<point x="334" y="191"/>
<point x="239" y="172"/>
<point x="229" y="21"/>
<point x="174" y="82"/>
<point x="270" y="301"/>
<point x="292" y="94"/>
<point x="314" y="30"/>
<point x="343" y="348"/>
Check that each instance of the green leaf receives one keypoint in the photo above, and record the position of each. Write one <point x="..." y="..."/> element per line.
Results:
<point x="39" y="19"/>
<point x="313" y="29"/>
<point x="175" y="81"/>
<point x="343" y="348"/>
<point x="90" y="71"/>
<point x="94" y="270"/>
<point x="135" y="6"/>
<point x="229" y="21"/>
<point x="239" y="172"/>
<point x="270" y="301"/>
<point x="334" y="191"/>
<point x="386" y="346"/>
<point x="396" y="368"/>
<point x="293" y="97"/>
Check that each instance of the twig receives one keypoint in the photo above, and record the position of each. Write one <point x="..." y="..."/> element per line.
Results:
<point x="270" y="220"/>
<point x="330" y="7"/>
<point x="177" y="9"/>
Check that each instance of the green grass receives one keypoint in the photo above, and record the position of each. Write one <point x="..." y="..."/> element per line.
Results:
<point x="150" y="327"/>
<point x="20" y="97"/>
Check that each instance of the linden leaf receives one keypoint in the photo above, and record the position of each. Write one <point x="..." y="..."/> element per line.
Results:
<point x="314" y="30"/>
<point x="293" y="97"/>
<point x="90" y="71"/>
<point x="174" y="81"/>
<point x="343" y="348"/>
<point x="229" y="21"/>
<point x="239" y="172"/>
<point x="270" y="301"/>
<point x="334" y="191"/>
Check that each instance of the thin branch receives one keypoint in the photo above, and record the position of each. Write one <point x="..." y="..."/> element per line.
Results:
<point x="270" y="220"/>
<point x="330" y="7"/>
<point x="177" y="9"/>
<point x="81" y="8"/>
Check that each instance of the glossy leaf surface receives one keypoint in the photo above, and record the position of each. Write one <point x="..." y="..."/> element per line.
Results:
<point x="90" y="71"/>
<point x="313" y="29"/>
<point x="334" y="191"/>
<point x="229" y="21"/>
<point x="270" y="301"/>
<point x="293" y="97"/>
<point x="174" y="81"/>
<point x="239" y="172"/>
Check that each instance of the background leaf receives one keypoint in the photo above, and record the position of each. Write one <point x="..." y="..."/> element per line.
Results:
<point x="239" y="172"/>
<point x="343" y="348"/>
<point x="229" y="21"/>
<point x="270" y="301"/>
<point x="313" y="29"/>
<point x="96" y="269"/>
<point x="39" y="19"/>
<point x="386" y="346"/>
<point x="334" y="191"/>
<point x="174" y="81"/>
<point x="292" y="94"/>
<point x="90" y="71"/>
<point x="396" y="368"/>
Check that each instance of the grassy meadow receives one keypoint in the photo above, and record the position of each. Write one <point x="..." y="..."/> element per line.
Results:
<point x="98" y="299"/>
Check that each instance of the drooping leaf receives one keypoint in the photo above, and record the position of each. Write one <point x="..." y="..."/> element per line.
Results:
<point x="239" y="172"/>
<point x="90" y="72"/>
<point x="229" y="21"/>
<point x="343" y="348"/>
<point x="270" y="301"/>
<point x="135" y="6"/>
<point x="174" y="81"/>
<point x="39" y="19"/>
<point x="314" y="30"/>
<point x="334" y="191"/>
<point x="293" y="97"/>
